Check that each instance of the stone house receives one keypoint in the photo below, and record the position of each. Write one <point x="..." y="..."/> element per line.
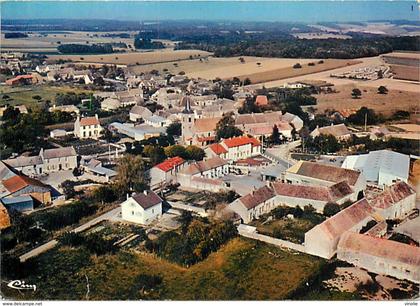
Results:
<point x="87" y="127"/>
<point x="235" y="148"/>
<point x="339" y="131"/>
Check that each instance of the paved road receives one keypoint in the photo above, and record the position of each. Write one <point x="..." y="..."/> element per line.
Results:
<point x="52" y="243"/>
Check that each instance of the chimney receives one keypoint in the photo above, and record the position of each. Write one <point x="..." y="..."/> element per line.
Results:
<point x="96" y="116"/>
<point x="145" y="192"/>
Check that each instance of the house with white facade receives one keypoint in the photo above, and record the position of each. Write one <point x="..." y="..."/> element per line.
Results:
<point x="142" y="208"/>
<point x="310" y="173"/>
<point x="235" y="148"/>
<point x="382" y="167"/>
<point x="87" y="127"/>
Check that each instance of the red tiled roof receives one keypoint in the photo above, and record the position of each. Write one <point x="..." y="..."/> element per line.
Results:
<point x="217" y="148"/>
<point x="328" y="173"/>
<point x="26" y="76"/>
<point x="261" y="100"/>
<point x="241" y="141"/>
<point x="257" y="197"/>
<point x="19" y="182"/>
<point x="206" y="138"/>
<point x="170" y="163"/>
<point x="89" y="121"/>
<point x="392" y="195"/>
<point x="346" y="219"/>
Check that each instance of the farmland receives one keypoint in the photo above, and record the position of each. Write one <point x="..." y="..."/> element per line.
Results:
<point x="134" y="58"/>
<point x="240" y="270"/>
<point x="24" y="95"/>
<point x="385" y="104"/>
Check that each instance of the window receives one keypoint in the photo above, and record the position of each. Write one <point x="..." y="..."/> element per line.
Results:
<point x="132" y="212"/>
<point x="153" y="211"/>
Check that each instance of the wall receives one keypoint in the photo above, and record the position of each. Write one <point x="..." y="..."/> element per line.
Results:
<point x="379" y="265"/>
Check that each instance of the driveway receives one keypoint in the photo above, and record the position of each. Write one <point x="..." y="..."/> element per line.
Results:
<point x="52" y="243"/>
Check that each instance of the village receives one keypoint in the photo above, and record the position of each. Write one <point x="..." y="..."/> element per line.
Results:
<point x="141" y="155"/>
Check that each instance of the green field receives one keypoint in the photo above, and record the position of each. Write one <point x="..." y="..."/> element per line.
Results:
<point x="24" y="94"/>
<point x="241" y="270"/>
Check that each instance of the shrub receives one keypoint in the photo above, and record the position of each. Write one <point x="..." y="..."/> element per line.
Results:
<point x="297" y="66"/>
<point x="330" y="209"/>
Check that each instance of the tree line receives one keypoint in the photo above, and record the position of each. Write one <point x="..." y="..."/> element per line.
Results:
<point x="85" y="49"/>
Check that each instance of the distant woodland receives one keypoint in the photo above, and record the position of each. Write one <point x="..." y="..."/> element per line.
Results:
<point x="85" y="49"/>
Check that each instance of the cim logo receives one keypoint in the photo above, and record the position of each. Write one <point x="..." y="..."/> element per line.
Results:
<point x="21" y="285"/>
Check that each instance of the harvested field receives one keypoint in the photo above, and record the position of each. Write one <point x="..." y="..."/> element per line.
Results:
<point x="268" y="69"/>
<point x="402" y="58"/>
<point x="385" y="104"/>
<point x="406" y="72"/>
<point x="134" y="58"/>
<point x="287" y="72"/>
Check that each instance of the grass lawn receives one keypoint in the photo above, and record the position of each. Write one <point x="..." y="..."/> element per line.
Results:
<point x="242" y="269"/>
<point x="24" y="94"/>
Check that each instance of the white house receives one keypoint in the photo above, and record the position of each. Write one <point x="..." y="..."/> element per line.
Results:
<point x="87" y="127"/>
<point x="235" y="148"/>
<point x="381" y="167"/>
<point x="142" y="208"/>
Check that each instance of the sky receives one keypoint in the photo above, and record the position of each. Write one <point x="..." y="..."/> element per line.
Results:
<point x="258" y="10"/>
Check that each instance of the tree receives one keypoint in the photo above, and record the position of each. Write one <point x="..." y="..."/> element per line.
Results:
<point x="275" y="136"/>
<point x="176" y="150"/>
<point x="330" y="209"/>
<point x="363" y="114"/>
<point x="195" y="153"/>
<point x="104" y="194"/>
<point x="249" y="107"/>
<point x="174" y="129"/>
<point x="356" y="93"/>
<point x="297" y="66"/>
<point x="382" y="90"/>
<point x="131" y="174"/>
<point x="155" y="153"/>
<point x="226" y="128"/>
<point x="68" y="189"/>
<point x="185" y="219"/>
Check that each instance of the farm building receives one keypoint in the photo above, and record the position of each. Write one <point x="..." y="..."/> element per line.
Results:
<point x="339" y="131"/>
<point x="395" y="202"/>
<point x="309" y="173"/>
<point x="381" y="167"/>
<point x="138" y="113"/>
<point x="20" y="80"/>
<point x="142" y="208"/>
<point x="322" y="240"/>
<point x="265" y="199"/>
<point x="380" y="255"/>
